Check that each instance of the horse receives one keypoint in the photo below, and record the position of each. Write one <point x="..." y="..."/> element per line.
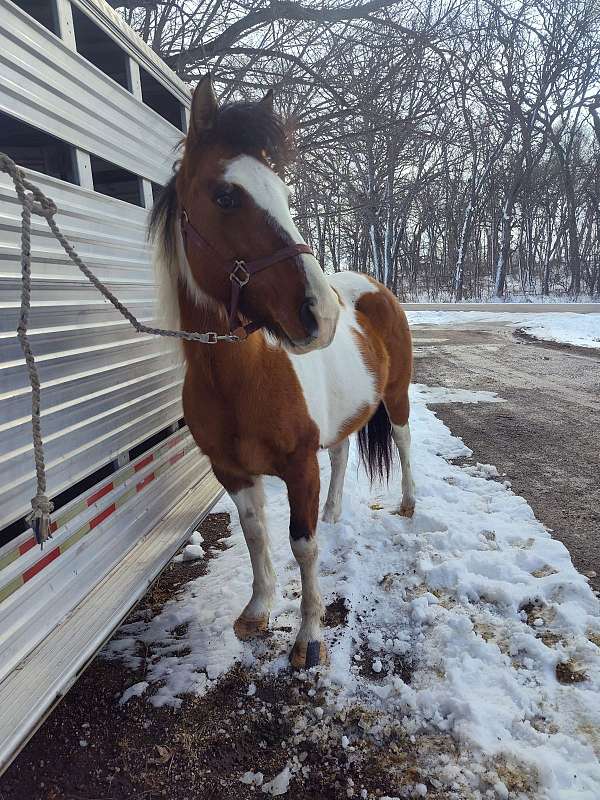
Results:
<point x="299" y="361"/>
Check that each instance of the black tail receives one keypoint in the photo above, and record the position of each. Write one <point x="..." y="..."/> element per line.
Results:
<point x="375" y="445"/>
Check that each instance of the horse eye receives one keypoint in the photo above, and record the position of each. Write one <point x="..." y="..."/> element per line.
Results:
<point x="227" y="200"/>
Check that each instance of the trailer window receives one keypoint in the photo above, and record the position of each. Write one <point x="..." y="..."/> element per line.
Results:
<point x="159" y="98"/>
<point x="98" y="47"/>
<point x="34" y="149"/>
<point x="156" y="190"/>
<point x="42" y="11"/>
<point x="115" y="181"/>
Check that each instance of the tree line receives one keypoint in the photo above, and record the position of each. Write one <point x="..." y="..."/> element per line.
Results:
<point x="448" y="148"/>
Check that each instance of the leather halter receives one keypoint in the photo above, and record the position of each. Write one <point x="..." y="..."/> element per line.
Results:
<point x="240" y="271"/>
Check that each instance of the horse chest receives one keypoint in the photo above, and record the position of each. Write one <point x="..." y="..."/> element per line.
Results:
<point x="336" y="383"/>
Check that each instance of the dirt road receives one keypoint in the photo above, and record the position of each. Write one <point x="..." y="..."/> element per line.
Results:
<point x="545" y="436"/>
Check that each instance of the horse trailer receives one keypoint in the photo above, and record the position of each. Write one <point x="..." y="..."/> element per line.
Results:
<point x="93" y="117"/>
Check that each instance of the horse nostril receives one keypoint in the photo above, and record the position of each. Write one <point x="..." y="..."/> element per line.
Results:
<point x="307" y="318"/>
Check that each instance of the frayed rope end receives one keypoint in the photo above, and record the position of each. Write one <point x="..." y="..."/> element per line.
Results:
<point x="39" y="518"/>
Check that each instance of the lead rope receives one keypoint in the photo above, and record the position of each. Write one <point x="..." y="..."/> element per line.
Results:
<point x="34" y="201"/>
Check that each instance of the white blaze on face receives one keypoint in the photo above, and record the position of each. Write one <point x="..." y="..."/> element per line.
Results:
<point x="271" y="194"/>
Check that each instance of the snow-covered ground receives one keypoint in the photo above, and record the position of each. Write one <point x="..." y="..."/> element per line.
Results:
<point x="466" y="624"/>
<point x="582" y="330"/>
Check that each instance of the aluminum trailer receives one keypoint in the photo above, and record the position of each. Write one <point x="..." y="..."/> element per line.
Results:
<point x="92" y="115"/>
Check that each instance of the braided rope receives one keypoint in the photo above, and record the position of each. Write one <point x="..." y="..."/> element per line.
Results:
<point x="34" y="201"/>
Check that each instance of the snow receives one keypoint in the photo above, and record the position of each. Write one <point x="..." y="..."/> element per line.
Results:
<point x="441" y="394"/>
<point x="582" y="330"/>
<point x="252" y="778"/>
<point x="192" y="552"/>
<point x="464" y="585"/>
<point x="137" y="690"/>
<point x="280" y="783"/>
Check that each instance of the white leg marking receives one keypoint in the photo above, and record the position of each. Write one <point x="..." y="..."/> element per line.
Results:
<point x="338" y="455"/>
<point x="251" y="508"/>
<point x="401" y="435"/>
<point x="306" y="553"/>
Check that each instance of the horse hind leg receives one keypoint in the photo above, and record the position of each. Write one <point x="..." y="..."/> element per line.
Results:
<point x="398" y="411"/>
<point x="338" y="455"/>
<point x="250" y="503"/>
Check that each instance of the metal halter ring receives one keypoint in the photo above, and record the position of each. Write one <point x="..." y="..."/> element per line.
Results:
<point x="239" y="274"/>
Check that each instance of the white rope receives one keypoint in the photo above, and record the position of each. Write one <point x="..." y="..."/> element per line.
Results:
<point x="34" y="201"/>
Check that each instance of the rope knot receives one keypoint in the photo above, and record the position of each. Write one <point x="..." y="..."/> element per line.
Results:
<point x="41" y="205"/>
<point x="39" y="517"/>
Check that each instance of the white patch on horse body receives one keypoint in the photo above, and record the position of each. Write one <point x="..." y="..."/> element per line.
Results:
<point x="351" y="286"/>
<point x="271" y="194"/>
<point x="335" y="380"/>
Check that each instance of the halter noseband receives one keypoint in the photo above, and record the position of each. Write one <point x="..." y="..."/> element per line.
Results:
<point x="240" y="271"/>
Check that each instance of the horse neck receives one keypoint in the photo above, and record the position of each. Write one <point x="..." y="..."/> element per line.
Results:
<point x="227" y="362"/>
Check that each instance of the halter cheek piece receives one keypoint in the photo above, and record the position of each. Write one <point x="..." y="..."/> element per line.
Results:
<point x="240" y="271"/>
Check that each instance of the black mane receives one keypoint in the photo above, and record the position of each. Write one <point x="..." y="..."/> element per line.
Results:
<point x="248" y="127"/>
<point x="251" y="128"/>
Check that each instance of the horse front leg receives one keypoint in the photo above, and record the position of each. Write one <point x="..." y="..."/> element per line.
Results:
<point x="250" y="503"/>
<point x="302" y="481"/>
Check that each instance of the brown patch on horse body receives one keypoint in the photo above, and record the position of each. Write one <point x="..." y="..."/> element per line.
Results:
<point x="386" y="316"/>
<point x="372" y="350"/>
<point x="303" y="480"/>
<point x="355" y="422"/>
<point x="243" y="403"/>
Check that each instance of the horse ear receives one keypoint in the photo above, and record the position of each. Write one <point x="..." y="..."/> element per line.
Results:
<point x="267" y="101"/>
<point x="204" y="107"/>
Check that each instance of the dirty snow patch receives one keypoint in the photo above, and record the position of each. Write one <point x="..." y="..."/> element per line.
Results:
<point x="137" y="690"/>
<point x="443" y="395"/>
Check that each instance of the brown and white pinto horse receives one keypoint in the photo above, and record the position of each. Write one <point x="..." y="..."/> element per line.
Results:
<point x="332" y="355"/>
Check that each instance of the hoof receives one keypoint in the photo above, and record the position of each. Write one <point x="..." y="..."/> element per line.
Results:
<point x="405" y="510"/>
<point x="330" y="516"/>
<point x="249" y="628"/>
<point x="305" y="655"/>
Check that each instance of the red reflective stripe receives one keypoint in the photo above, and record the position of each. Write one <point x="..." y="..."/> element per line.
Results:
<point x="100" y="493"/>
<point x="102" y="516"/>
<point x="29" y="573"/>
<point x="139" y="486"/>
<point x="174" y="459"/>
<point x="53" y="527"/>
<point x="26" y="546"/>
<point x="144" y="462"/>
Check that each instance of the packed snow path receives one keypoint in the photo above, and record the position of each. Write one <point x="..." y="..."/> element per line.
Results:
<point x="468" y="620"/>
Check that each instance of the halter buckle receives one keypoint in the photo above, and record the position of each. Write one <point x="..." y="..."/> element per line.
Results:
<point x="239" y="273"/>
